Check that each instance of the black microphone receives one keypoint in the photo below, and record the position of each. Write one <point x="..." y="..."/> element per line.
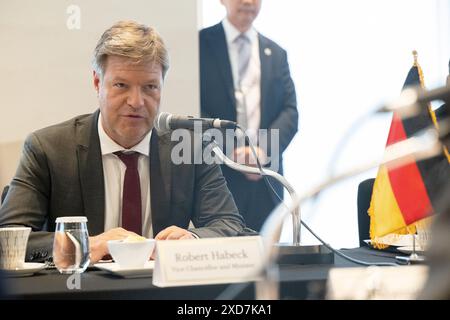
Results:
<point x="165" y="121"/>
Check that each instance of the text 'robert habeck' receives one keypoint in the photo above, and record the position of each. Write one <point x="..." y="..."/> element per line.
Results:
<point x="214" y="255"/>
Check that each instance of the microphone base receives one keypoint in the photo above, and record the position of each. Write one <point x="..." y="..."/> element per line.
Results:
<point x="311" y="254"/>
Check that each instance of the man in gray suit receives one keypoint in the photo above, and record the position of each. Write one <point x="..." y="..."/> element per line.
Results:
<point x="111" y="167"/>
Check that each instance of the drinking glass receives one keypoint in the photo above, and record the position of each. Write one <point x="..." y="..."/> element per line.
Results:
<point x="71" y="245"/>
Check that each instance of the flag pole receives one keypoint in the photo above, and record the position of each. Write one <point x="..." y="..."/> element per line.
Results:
<point x="415" y="54"/>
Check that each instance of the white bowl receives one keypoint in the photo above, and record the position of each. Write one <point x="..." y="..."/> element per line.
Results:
<point x="131" y="254"/>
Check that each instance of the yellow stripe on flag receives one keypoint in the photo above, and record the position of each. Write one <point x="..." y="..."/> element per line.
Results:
<point x="389" y="217"/>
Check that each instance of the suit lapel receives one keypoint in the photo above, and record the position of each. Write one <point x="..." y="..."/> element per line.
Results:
<point x="218" y="44"/>
<point x="91" y="172"/>
<point x="265" y="56"/>
<point x="160" y="180"/>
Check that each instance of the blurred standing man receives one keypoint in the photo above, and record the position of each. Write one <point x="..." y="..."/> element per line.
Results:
<point x="245" y="78"/>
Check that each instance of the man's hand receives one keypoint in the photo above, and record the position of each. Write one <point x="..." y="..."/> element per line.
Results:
<point x="98" y="244"/>
<point x="174" y="233"/>
<point x="244" y="155"/>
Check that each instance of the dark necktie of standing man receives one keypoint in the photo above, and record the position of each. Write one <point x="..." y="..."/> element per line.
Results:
<point x="244" y="53"/>
<point x="131" y="198"/>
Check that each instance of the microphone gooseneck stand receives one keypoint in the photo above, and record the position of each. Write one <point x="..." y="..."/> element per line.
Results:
<point x="294" y="252"/>
<point x="296" y="220"/>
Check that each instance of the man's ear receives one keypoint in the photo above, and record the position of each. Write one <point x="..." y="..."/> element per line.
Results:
<point x="96" y="80"/>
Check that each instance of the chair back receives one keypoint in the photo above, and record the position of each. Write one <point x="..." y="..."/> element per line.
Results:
<point x="364" y="195"/>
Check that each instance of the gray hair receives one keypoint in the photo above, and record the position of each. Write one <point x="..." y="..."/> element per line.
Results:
<point x="132" y="40"/>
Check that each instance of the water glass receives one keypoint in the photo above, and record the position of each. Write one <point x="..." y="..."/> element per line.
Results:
<point x="71" y="245"/>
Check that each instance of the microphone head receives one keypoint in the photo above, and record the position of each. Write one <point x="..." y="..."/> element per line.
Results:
<point x="161" y="122"/>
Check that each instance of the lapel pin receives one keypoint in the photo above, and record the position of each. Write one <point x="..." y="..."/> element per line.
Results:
<point x="267" y="52"/>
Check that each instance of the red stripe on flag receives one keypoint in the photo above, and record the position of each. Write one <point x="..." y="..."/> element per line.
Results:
<point x="396" y="132"/>
<point x="406" y="181"/>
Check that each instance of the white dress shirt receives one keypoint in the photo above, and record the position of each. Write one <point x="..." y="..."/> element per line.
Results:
<point x="251" y="82"/>
<point x="114" y="173"/>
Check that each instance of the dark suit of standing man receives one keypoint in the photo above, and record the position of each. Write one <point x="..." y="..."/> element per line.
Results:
<point x="273" y="100"/>
<point x="75" y="168"/>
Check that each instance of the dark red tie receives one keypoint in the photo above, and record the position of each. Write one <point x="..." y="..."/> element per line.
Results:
<point x="131" y="198"/>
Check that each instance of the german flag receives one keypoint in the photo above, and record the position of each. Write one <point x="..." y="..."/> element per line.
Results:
<point x="404" y="196"/>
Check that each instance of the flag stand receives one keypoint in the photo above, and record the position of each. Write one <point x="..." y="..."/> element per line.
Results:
<point x="414" y="258"/>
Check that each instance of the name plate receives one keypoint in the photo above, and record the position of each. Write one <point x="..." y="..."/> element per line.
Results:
<point x="207" y="261"/>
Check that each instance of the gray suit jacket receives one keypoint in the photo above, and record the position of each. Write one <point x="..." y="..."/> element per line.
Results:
<point x="61" y="174"/>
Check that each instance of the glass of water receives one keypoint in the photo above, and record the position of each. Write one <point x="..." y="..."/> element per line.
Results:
<point x="71" y="245"/>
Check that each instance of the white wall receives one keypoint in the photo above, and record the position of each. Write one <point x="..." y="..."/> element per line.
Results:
<point x="46" y="67"/>
<point x="346" y="58"/>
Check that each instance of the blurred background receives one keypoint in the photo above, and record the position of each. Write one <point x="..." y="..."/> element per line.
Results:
<point x="347" y="58"/>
